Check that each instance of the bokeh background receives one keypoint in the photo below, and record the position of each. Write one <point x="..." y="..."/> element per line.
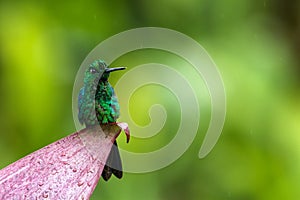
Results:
<point x="255" y="44"/>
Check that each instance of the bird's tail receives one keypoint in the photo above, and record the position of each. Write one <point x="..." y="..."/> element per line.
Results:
<point x="113" y="164"/>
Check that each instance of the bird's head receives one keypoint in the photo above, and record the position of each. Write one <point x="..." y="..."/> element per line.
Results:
<point x="98" y="71"/>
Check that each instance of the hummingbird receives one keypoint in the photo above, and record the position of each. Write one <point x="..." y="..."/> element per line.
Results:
<point x="98" y="105"/>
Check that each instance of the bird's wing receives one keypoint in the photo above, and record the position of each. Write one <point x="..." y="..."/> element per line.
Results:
<point x="80" y="104"/>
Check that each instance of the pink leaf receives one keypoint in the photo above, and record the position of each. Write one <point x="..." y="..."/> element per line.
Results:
<point x="69" y="168"/>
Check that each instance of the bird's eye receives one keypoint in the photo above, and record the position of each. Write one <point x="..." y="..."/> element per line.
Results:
<point x="93" y="70"/>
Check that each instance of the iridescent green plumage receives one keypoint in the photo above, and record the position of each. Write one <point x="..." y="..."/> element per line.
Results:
<point x="98" y="104"/>
<point x="97" y="101"/>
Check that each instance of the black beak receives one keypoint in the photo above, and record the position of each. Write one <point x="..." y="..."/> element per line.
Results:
<point x="108" y="70"/>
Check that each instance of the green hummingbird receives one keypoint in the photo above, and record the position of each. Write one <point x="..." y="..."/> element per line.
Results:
<point x="98" y="105"/>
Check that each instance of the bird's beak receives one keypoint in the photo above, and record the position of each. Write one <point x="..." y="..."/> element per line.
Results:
<point x="108" y="70"/>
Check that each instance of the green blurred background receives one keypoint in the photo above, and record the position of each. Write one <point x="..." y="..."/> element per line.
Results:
<point x="255" y="45"/>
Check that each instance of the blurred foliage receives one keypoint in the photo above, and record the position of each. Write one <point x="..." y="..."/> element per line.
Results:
<point x="255" y="45"/>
